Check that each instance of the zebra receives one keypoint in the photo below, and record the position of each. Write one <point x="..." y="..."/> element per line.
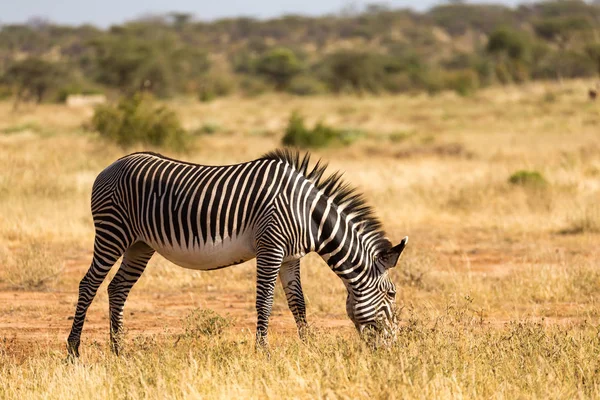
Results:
<point x="275" y="209"/>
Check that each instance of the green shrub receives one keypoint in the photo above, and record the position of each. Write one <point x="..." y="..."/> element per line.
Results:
<point x="400" y="136"/>
<point x="204" y="323"/>
<point x="464" y="82"/>
<point x="353" y="71"/>
<point x="279" y="66"/>
<point x="298" y="135"/>
<point x="304" y="85"/>
<point x="209" y="128"/>
<point x="137" y="119"/>
<point x="527" y="179"/>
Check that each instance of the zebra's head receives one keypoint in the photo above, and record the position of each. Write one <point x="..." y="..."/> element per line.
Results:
<point x="372" y="307"/>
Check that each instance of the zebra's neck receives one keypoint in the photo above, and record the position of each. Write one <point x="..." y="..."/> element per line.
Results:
<point x="340" y="243"/>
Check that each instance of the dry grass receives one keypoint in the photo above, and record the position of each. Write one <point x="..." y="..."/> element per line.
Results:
<point x="499" y="288"/>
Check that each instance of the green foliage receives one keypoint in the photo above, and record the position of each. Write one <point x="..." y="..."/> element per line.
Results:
<point x="208" y="128"/>
<point x="353" y="71"/>
<point x="33" y="77"/>
<point x="137" y="119"/>
<point x="509" y="42"/>
<point x="376" y="50"/>
<point x="560" y="29"/>
<point x="565" y="64"/>
<point x="162" y="66"/>
<point x="528" y="179"/>
<point x="278" y="66"/>
<point x="298" y="135"/>
<point x="305" y="85"/>
<point x="205" y="323"/>
<point x="593" y="52"/>
<point x="464" y="82"/>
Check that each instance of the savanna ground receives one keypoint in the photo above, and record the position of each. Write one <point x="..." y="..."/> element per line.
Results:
<point x="498" y="290"/>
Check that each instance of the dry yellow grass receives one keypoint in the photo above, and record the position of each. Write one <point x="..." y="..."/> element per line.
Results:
<point x="499" y="287"/>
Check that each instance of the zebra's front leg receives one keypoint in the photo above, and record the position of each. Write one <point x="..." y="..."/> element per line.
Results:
<point x="134" y="262"/>
<point x="290" y="280"/>
<point x="268" y="263"/>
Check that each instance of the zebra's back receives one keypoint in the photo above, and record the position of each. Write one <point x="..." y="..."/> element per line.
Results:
<point x="197" y="216"/>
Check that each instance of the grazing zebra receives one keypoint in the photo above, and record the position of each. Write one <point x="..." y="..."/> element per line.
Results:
<point x="208" y="217"/>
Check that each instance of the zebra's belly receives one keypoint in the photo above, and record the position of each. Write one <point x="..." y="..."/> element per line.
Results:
<point x="210" y="255"/>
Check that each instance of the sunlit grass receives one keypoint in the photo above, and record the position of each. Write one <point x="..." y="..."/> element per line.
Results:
<point x="498" y="288"/>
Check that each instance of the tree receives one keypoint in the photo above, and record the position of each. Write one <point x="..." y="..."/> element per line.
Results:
<point x="512" y="51"/>
<point x="561" y="29"/>
<point x="162" y="66"/>
<point x="357" y="71"/>
<point x="509" y="42"/>
<point x="32" y="77"/>
<point x="593" y="52"/>
<point x="279" y="66"/>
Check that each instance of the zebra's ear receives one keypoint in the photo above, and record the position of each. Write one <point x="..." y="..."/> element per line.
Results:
<point x="390" y="257"/>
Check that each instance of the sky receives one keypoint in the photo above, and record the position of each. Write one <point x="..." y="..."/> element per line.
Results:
<point x="104" y="13"/>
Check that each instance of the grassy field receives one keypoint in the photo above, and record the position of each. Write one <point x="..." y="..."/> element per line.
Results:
<point x="499" y="287"/>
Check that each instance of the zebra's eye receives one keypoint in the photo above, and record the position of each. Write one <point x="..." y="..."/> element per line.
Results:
<point x="392" y="293"/>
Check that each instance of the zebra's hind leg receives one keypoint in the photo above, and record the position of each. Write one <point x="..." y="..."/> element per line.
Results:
<point x="134" y="262"/>
<point x="107" y="250"/>
<point x="290" y="280"/>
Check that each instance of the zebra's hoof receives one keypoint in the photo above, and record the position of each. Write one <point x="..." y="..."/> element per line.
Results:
<point x="72" y="350"/>
<point x="115" y="348"/>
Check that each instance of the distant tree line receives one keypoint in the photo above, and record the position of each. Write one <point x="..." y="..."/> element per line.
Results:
<point x="455" y="46"/>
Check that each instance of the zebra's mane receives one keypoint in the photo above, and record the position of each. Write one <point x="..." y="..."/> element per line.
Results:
<point x="346" y="197"/>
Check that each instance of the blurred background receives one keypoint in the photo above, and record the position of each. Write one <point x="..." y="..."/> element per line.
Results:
<point x="182" y="48"/>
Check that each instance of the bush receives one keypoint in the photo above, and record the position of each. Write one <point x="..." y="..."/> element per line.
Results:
<point x="137" y="119"/>
<point x="510" y="42"/>
<point x="298" y="135"/>
<point x="304" y="85"/>
<point x="527" y="179"/>
<point x="279" y="66"/>
<point x="464" y="82"/>
<point x="353" y="71"/>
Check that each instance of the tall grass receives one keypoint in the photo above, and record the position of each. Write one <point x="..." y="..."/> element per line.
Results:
<point x="498" y="289"/>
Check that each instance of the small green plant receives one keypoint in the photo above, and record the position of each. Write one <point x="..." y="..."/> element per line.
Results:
<point x="527" y="179"/>
<point x="205" y="323"/>
<point x="137" y="119"/>
<point x="322" y="135"/>
<point x="209" y="128"/>
<point x="400" y="136"/>
<point x="28" y="126"/>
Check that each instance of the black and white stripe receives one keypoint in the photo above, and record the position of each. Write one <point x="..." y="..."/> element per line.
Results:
<point x="208" y="217"/>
